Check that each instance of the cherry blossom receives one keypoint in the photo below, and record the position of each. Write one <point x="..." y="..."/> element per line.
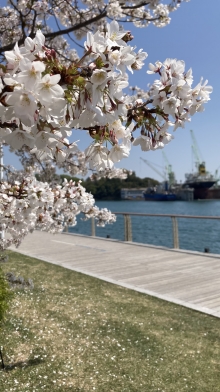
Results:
<point x="75" y="17"/>
<point x="27" y="204"/>
<point x="47" y="99"/>
<point x="47" y="90"/>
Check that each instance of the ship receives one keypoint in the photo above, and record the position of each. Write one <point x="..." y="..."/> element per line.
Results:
<point x="159" y="193"/>
<point x="201" y="182"/>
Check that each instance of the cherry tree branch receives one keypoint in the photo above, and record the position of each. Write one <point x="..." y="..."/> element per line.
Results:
<point x="132" y="7"/>
<point x="54" y="34"/>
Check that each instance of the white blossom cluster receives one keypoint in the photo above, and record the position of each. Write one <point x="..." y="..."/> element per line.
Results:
<point x="175" y="99"/>
<point x="76" y="16"/>
<point x="44" y="107"/>
<point x="39" y="103"/>
<point x="28" y="204"/>
<point x="42" y="100"/>
<point x="46" y="170"/>
<point x="122" y="174"/>
<point x="174" y="94"/>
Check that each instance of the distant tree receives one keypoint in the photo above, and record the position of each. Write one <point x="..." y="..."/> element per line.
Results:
<point x="110" y="189"/>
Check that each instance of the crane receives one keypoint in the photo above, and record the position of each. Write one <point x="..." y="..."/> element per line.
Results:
<point x="170" y="172"/>
<point x="153" y="168"/>
<point x="196" y="152"/>
<point x="196" y="156"/>
<point x="200" y="164"/>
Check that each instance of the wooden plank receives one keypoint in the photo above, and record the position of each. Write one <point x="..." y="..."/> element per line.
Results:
<point x="211" y="303"/>
<point x="196" y="293"/>
<point x="203" y="298"/>
<point x="177" y="283"/>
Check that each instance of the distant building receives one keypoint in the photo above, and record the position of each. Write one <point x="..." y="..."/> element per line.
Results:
<point x="132" y="194"/>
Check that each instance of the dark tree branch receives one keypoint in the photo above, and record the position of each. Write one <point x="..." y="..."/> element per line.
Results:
<point x="21" y="16"/>
<point x="85" y="23"/>
<point x="11" y="46"/>
<point x="33" y="26"/>
<point x="60" y="32"/>
<point x="76" y="43"/>
<point x="132" y="7"/>
<point x="77" y="26"/>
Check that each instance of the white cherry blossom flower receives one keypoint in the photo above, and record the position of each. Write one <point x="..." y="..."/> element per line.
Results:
<point x="99" y="77"/>
<point x="14" y="57"/>
<point x="144" y="141"/>
<point x="127" y="58"/>
<point x="97" y="156"/>
<point x="157" y="145"/>
<point x="115" y="34"/>
<point x="31" y="73"/>
<point x="114" y="57"/>
<point x="41" y="140"/>
<point x="4" y="132"/>
<point x="181" y="89"/>
<point x="118" y="152"/>
<point x="18" y="139"/>
<point x="167" y="137"/>
<point x="39" y="40"/>
<point x="170" y="105"/>
<point x="154" y="68"/>
<point x="24" y="105"/>
<point x="48" y="89"/>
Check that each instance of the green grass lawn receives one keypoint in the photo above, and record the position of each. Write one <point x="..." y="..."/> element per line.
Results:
<point x="77" y="333"/>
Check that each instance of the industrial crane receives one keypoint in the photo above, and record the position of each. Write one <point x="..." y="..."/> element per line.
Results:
<point x="153" y="168"/>
<point x="200" y="164"/>
<point x="170" y="172"/>
<point x="196" y="156"/>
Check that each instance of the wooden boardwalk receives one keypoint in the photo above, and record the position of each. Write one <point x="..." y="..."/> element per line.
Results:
<point x="191" y="279"/>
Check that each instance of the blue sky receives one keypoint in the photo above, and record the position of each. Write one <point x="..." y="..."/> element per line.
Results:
<point x="192" y="36"/>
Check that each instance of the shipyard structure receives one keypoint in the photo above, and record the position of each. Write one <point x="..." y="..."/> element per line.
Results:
<point x="198" y="185"/>
<point x="158" y="193"/>
<point x="201" y="182"/>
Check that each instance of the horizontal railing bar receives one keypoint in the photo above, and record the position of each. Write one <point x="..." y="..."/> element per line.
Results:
<point x="168" y="215"/>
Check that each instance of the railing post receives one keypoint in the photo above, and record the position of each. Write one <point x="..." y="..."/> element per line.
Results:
<point x="175" y="233"/>
<point x="93" y="227"/>
<point x="127" y="228"/>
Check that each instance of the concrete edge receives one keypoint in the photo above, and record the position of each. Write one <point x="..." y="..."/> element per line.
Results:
<point x="196" y="253"/>
<point x="166" y="298"/>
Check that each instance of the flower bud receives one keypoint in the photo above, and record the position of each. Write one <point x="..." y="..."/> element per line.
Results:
<point x="128" y="37"/>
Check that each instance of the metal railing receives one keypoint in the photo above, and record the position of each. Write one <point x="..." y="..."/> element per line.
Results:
<point x="174" y="219"/>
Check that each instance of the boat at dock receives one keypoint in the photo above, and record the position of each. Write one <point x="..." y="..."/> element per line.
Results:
<point x="201" y="182"/>
<point x="160" y="196"/>
<point x="160" y="193"/>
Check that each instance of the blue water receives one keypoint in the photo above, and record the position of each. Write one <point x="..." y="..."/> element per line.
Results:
<point x="194" y="234"/>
